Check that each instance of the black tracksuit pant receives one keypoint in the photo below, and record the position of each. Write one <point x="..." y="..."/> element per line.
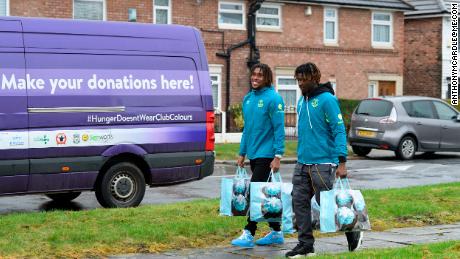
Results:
<point x="309" y="180"/>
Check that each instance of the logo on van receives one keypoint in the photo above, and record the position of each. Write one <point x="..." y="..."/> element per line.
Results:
<point x="17" y="141"/>
<point x="85" y="137"/>
<point x="76" y="138"/>
<point x="101" y="138"/>
<point x="43" y="139"/>
<point x="61" y="139"/>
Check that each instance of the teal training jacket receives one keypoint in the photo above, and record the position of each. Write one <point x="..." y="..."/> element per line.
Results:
<point x="263" y="133"/>
<point x="322" y="136"/>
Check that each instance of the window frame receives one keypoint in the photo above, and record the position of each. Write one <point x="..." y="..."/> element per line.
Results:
<point x="279" y="17"/>
<point x="333" y="82"/>
<point x="217" y="107"/>
<point x="104" y="9"/>
<point x="379" y="44"/>
<point x="326" y="19"/>
<point x="7" y="7"/>
<point x="375" y="89"/>
<point x="288" y="88"/>
<point x="169" y="9"/>
<point x="228" y="25"/>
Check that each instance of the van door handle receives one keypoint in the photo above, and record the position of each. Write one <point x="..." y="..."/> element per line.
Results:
<point x="444" y="127"/>
<point x="419" y="123"/>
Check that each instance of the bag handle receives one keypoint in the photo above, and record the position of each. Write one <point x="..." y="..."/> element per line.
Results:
<point x="241" y="172"/>
<point x="342" y="184"/>
<point x="275" y="177"/>
<point x="345" y="180"/>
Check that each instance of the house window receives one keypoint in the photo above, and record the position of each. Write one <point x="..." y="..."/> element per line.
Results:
<point x="330" y="25"/>
<point x="4" y="8"/>
<point x="89" y="9"/>
<point x="382" y="29"/>
<point x="231" y="15"/>
<point x="372" y="89"/>
<point x="334" y="85"/>
<point x="216" y="90"/>
<point x="288" y="89"/>
<point x="269" y="16"/>
<point x="162" y="11"/>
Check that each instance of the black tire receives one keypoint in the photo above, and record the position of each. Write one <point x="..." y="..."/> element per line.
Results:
<point x="406" y="148"/>
<point x="63" y="197"/>
<point x="122" y="185"/>
<point x="361" y="151"/>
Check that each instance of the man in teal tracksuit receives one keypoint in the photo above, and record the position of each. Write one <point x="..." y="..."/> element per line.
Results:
<point x="262" y="142"/>
<point x="322" y="152"/>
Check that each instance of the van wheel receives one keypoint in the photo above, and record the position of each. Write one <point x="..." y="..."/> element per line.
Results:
<point x="361" y="151"/>
<point x="407" y="148"/>
<point x="63" y="197"/>
<point x="123" y="185"/>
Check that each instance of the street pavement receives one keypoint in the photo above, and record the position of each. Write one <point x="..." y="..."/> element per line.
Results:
<point x="394" y="238"/>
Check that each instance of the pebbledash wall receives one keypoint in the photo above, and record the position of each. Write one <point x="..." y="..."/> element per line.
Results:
<point x="354" y="63"/>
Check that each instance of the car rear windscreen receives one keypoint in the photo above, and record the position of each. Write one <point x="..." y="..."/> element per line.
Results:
<point x="375" y="108"/>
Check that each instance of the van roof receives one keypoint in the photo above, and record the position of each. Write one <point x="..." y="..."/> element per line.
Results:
<point x="109" y="28"/>
<point x="58" y="35"/>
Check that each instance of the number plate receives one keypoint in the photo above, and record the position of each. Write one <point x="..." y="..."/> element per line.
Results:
<point x="367" y="134"/>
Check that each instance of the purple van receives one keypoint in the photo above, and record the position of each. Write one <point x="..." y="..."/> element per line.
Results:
<point x="102" y="106"/>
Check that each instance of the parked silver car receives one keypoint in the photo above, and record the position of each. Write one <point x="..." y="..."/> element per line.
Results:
<point x="404" y="124"/>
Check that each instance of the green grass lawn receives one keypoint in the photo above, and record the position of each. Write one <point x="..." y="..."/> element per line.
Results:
<point x="157" y="228"/>
<point x="229" y="151"/>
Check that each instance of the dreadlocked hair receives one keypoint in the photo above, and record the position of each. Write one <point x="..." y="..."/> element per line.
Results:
<point x="266" y="71"/>
<point x="310" y="71"/>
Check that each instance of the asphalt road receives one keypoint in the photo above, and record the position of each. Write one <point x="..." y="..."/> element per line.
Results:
<point x="379" y="170"/>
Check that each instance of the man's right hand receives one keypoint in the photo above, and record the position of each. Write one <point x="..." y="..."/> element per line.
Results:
<point x="240" y="161"/>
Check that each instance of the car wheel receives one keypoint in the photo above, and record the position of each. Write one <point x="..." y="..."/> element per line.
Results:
<point x="407" y="148"/>
<point x="123" y="185"/>
<point x="63" y="197"/>
<point x="361" y="151"/>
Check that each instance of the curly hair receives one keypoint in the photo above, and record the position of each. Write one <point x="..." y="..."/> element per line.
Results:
<point x="310" y="71"/>
<point x="266" y="71"/>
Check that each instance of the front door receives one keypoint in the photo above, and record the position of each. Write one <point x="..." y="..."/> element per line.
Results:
<point x="14" y="142"/>
<point x="387" y="88"/>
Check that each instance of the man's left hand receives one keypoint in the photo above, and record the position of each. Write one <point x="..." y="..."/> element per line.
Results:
<point x="275" y="164"/>
<point x="341" y="171"/>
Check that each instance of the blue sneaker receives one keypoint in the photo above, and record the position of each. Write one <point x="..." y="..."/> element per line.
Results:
<point x="245" y="240"/>
<point x="272" y="238"/>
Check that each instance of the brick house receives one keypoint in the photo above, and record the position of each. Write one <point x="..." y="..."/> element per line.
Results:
<point x="358" y="45"/>
<point x="427" y="56"/>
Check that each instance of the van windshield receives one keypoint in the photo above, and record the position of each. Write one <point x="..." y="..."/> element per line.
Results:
<point x="375" y="108"/>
